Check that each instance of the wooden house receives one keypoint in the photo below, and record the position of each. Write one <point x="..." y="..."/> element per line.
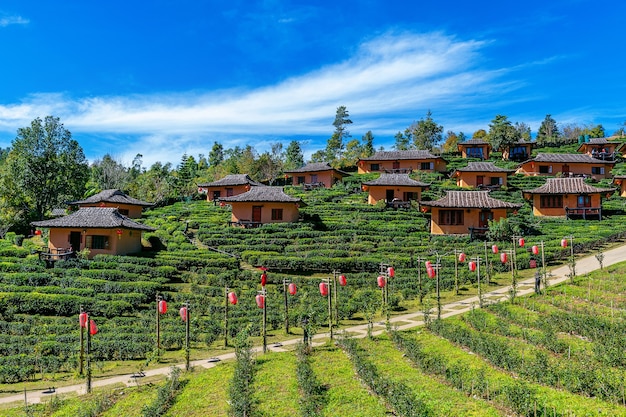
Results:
<point x="620" y="181"/>
<point x="229" y="186"/>
<point x="569" y="197"/>
<point x="599" y="148"/>
<point x="474" y="148"/>
<point x="481" y="175"/>
<point x="397" y="190"/>
<point x="318" y="174"/>
<point x="465" y="212"/>
<point x="518" y="152"/>
<point x="126" y="205"/>
<point x="102" y="230"/>
<point x="263" y="205"/>
<point x="566" y="165"/>
<point x="402" y="162"/>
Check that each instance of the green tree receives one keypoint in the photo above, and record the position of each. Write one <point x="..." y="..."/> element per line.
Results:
<point x="368" y="144"/>
<point x="425" y="133"/>
<point x="451" y="143"/>
<point x="596" y="131"/>
<point x="524" y="131"/>
<point x="335" y="144"/>
<point x="46" y="166"/>
<point x="402" y="142"/>
<point x="502" y="133"/>
<point x="294" y="157"/>
<point x="548" y="131"/>
<point x="216" y="156"/>
<point x="480" y="134"/>
<point x="154" y="185"/>
<point x="107" y="173"/>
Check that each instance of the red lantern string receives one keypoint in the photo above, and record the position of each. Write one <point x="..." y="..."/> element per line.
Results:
<point x="522" y="242"/>
<point x="162" y="307"/>
<point x="263" y="279"/>
<point x="93" y="329"/>
<point x="292" y="289"/>
<point x="494" y="248"/>
<point x="503" y="257"/>
<point x="472" y="266"/>
<point x="232" y="298"/>
<point x="260" y="301"/>
<point x="183" y="313"/>
<point x="342" y="280"/>
<point x="381" y="281"/>
<point x="391" y="272"/>
<point x="83" y="318"/>
<point x="324" y="289"/>
<point x="461" y="257"/>
<point x="564" y="243"/>
<point x="535" y="250"/>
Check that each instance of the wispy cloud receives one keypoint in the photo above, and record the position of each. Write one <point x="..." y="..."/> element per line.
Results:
<point x="391" y="79"/>
<point x="13" y="20"/>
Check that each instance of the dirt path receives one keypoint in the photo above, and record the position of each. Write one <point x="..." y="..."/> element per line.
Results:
<point x="404" y="321"/>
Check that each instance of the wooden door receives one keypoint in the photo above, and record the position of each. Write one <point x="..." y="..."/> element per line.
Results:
<point x="483" y="219"/>
<point x="256" y="214"/>
<point x="75" y="238"/>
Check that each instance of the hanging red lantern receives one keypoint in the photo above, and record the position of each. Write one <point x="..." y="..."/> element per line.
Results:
<point x="83" y="318"/>
<point x="37" y="232"/>
<point x="93" y="329"/>
<point x="342" y="280"/>
<point x="222" y="204"/>
<point x="503" y="257"/>
<point x="119" y="233"/>
<point x="494" y="248"/>
<point x="472" y="266"/>
<point x="461" y="257"/>
<point x="428" y="264"/>
<point x="391" y="272"/>
<point x="324" y="288"/>
<point x="260" y="301"/>
<point x="232" y="298"/>
<point x="292" y="289"/>
<point x="533" y="263"/>
<point x="424" y="209"/>
<point x="535" y="250"/>
<point x="522" y="242"/>
<point x="183" y="313"/>
<point x="431" y="272"/>
<point x="381" y="281"/>
<point x="563" y="243"/>
<point x="162" y="307"/>
<point x="263" y="279"/>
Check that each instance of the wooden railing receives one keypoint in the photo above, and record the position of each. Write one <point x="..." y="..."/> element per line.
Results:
<point x="584" y="212"/>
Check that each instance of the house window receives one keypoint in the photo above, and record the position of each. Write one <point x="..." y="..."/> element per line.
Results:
<point x="313" y="178"/>
<point x="229" y="192"/>
<point x="409" y="196"/>
<point x="474" y="153"/>
<point x="123" y="212"/>
<point x="451" y="217"/>
<point x="584" y="201"/>
<point x="551" y="201"/>
<point x="425" y="166"/>
<point x="97" y="242"/>
<point x="545" y="169"/>
<point x="300" y="180"/>
<point x="277" y="214"/>
<point x="495" y="180"/>
<point x="375" y="167"/>
<point x="597" y="170"/>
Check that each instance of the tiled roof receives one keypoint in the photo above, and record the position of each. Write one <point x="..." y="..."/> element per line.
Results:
<point x="397" y="155"/>
<point x="567" y="186"/>
<point x="263" y="194"/>
<point x="114" y="196"/>
<point x="483" y="167"/>
<point x="396" y="179"/>
<point x="231" y="180"/>
<point x="315" y="167"/>
<point x="568" y="158"/>
<point x="94" y="217"/>
<point x="469" y="199"/>
<point x="474" y="142"/>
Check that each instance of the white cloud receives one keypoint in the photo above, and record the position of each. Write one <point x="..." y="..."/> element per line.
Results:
<point x="13" y="20"/>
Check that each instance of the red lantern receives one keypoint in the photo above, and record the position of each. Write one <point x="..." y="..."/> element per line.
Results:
<point x="381" y="281"/>
<point x="494" y="248"/>
<point x="342" y="280"/>
<point x="222" y="204"/>
<point x="292" y="289"/>
<point x="503" y="257"/>
<point x="391" y="272"/>
<point x="119" y="233"/>
<point x="564" y="243"/>
<point x="522" y="242"/>
<point x="472" y="266"/>
<point x="324" y="289"/>
<point x="37" y="232"/>
<point x="263" y="279"/>
<point x="162" y="307"/>
<point x="428" y="264"/>
<point x="82" y="319"/>
<point x="533" y="263"/>
<point x="535" y="250"/>
<point x="260" y="301"/>
<point x="461" y="257"/>
<point x="431" y="272"/>
<point x="232" y="298"/>
<point x="93" y="329"/>
<point x="183" y="313"/>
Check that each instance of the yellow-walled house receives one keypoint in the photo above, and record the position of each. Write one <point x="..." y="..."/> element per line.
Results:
<point x="465" y="212"/>
<point x="263" y="205"/>
<point x="126" y="205"/>
<point x="474" y="148"/>
<point x="230" y="185"/>
<point x="567" y="197"/>
<point x="317" y="174"/>
<point x="402" y="162"/>
<point x="566" y="165"/>
<point x="102" y="230"/>
<point x="519" y="151"/>
<point x="481" y="175"/>
<point x="599" y="148"/>
<point x="397" y="190"/>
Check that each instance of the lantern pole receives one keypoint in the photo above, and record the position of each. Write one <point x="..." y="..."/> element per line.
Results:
<point x="543" y="267"/>
<point x="286" y="301"/>
<point x="513" y="290"/>
<point x="477" y="259"/>
<point x="457" y="253"/>
<point x="82" y="344"/>
<point x="264" y="329"/>
<point x="336" y="312"/>
<point x="88" y="355"/>
<point x="226" y="289"/>
<point x="419" y="278"/>
<point x="187" y="320"/>
<point x="572" y="260"/>
<point x="487" y="265"/>
<point x="384" y="271"/>
<point x="158" y="327"/>
<point x="328" y="282"/>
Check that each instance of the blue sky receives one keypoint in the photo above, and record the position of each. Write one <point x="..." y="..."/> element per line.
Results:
<point x="163" y="78"/>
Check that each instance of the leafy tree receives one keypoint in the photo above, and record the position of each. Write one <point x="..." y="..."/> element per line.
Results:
<point x="154" y="185"/>
<point x="402" y="142"/>
<point x="524" y="131"/>
<point x="451" y="143"/>
<point x="548" y="131"/>
<point x="480" y="134"/>
<point x="46" y="166"/>
<point x="368" y="144"/>
<point x="335" y="145"/>
<point x="425" y="133"/>
<point x="269" y="165"/>
<point x="596" y="131"/>
<point x="107" y="173"/>
<point x="502" y="133"/>
<point x="571" y="132"/>
<point x="216" y="156"/>
<point x="185" y="175"/>
<point x="294" y="158"/>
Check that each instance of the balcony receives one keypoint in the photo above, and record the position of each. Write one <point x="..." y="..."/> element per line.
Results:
<point x="584" y="213"/>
